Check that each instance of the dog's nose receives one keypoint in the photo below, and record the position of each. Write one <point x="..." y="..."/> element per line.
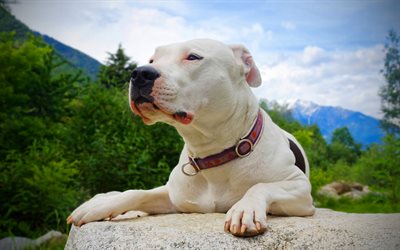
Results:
<point x="142" y="81"/>
<point x="144" y="76"/>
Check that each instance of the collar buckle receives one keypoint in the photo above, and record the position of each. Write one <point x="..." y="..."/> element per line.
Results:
<point x="192" y="162"/>
<point x="244" y="147"/>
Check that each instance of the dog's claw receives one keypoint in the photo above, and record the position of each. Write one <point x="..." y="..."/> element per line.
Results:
<point x="232" y="229"/>
<point x="226" y="226"/>
<point x="243" y="229"/>
<point x="258" y="226"/>
<point x="247" y="223"/>
<point x="70" y="219"/>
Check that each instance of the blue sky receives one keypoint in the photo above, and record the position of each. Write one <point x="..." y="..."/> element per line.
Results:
<point x="329" y="52"/>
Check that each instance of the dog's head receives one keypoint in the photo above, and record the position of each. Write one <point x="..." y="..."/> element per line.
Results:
<point x="186" y="81"/>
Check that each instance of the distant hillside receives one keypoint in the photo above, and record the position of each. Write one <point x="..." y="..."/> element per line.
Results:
<point x="76" y="58"/>
<point x="364" y="129"/>
<point x="9" y="23"/>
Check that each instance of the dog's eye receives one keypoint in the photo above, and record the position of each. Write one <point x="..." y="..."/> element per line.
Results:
<point x="151" y="61"/>
<point x="193" y="57"/>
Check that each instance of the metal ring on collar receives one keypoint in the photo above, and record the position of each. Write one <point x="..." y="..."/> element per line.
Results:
<point x="196" y="169"/>
<point x="241" y="142"/>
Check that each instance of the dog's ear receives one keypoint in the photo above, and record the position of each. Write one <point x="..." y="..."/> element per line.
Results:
<point x="243" y="56"/>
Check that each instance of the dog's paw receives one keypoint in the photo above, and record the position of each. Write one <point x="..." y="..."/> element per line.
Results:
<point x="246" y="218"/>
<point x="100" y="207"/>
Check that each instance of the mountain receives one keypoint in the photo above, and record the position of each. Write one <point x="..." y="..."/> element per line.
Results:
<point x="79" y="59"/>
<point x="76" y="58"/>
<point x="364" y="129"/>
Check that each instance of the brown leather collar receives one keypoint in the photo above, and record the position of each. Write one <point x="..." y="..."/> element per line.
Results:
<point x="243" y="148"/>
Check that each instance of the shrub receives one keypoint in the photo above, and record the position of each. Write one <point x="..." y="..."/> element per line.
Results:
<point x="38" y="190"/>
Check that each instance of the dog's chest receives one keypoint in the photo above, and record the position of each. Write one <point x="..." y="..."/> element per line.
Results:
<point x="205" y="202"/>
<point x="199" y="195"/>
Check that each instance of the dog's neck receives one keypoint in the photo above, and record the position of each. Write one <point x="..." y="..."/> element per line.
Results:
<point x="204" y="138"/>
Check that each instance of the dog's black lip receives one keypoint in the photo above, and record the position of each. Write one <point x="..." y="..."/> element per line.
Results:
<point x="143" y="99"/>
<point x="181" y="113"/>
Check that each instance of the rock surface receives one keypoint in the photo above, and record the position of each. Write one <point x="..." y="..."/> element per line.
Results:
<point x="327" y="229"/>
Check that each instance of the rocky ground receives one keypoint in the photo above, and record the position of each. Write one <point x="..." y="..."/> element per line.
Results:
<point x="327" y="229"/>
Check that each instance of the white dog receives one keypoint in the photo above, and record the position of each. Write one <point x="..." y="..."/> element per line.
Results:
<point x="235" y="159"/>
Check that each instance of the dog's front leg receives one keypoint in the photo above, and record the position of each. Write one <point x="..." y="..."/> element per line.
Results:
<point x="248" y="216"/>
<point x="109" y="205"/>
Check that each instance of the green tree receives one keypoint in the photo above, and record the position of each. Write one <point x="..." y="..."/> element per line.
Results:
<point x="281" y="115"/>
<point x="38" y="189"/>
<point x="390" y="93"/>
<point x="343" y="146"/>
<point x="63" y="140"/>
<point x="32" y="97"/>
<point x="116" y="151"/>
<point x="316" y="149"/>
<point x="36" y="181"/>
<point x="8" y="23"/>
<point x="343" y="136"/>
<point x="379" y="167"/>
<point x="5" y="4"/>
<point x="117" y="70"/>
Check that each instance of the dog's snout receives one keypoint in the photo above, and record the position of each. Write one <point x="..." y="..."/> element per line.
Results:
<point x="143" y="76"/>
<point x="142" y="81"/>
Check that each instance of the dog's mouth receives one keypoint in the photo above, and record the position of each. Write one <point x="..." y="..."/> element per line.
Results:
<point x="183" y="117"/>
<point x="146" y="109"/>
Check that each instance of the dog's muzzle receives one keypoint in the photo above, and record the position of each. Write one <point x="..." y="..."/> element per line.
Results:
<point x="142" y="82"/>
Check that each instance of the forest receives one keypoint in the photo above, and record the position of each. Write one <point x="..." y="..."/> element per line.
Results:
<point x="65" y="137"/>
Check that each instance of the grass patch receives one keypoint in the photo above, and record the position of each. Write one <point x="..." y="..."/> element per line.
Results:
<point x="54" y="244"/>
<point x="370" y="203"/>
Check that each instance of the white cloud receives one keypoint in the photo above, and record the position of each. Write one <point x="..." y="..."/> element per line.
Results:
<point x="140" y="26"/>
<point x="178" y="7"/>
<point x="98" y="27"/>
<point x="348" y="79"/>
<point x="344" y="78"/>
<point x="288" y="25"/>
<point x="312" y="55"/>
<point x="141" y="30"/>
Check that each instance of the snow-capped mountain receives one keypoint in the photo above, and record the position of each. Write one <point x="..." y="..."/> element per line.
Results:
<point x="364" y="129"/>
